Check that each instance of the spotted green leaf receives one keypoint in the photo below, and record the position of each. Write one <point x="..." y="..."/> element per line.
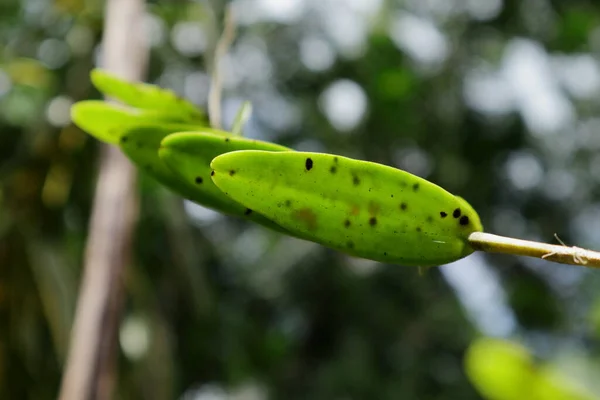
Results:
<point x="108" y="121"/>
<point x="140" y="143"/>
<point x="146" y="96"/>
<point x="188" y="155"/>
<point x="362" y="208"/>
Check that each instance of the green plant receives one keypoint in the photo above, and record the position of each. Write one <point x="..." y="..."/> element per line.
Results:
<point x="361" y="208"/>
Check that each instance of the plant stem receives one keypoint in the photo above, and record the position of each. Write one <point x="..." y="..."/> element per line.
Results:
<point x="214" y="96"/>
<point x="558" y="253"/>
<point x="90" y="369"/>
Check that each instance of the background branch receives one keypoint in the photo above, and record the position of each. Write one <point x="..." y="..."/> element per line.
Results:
<point x="89" y="373"/>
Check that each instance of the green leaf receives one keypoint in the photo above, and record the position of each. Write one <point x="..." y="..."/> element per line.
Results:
<point x="188" y="155"/>
<point x="147" y="97"/>
<point x="108" y="121"/>
<point x="504" y="370"/>
<point x="362" y="208"/>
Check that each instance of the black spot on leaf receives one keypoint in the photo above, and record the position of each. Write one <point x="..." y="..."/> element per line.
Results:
<point x="212" y="173"/>
<point x="456" y="213"/>
<point x="198" y="180"/>
<point x="347" y="223"/>
<point x="309" y="164"/>
<point x="333" y="169"/>
<point x="355" y="180"/>
<point x="464" y="220"/>
<point x="373" y="221"/>
<point x="248" y="211"/>
<point x="403" y="206"/>
<point x="419" y="229"/>
<point x="443" y="214"/>
<point x="416" y="187"/>
<point x="232" y="172"/>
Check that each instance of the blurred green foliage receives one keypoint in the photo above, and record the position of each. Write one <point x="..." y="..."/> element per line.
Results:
<point x="494" y="100"/>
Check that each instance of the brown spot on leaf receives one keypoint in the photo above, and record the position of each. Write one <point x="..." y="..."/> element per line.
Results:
<point x="307" y="216"/>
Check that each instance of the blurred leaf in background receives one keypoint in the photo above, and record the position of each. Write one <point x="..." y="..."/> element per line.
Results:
<point x="494" y="100"/>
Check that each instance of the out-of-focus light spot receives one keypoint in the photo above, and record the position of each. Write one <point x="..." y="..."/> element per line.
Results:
<point x="249" y="12"/>
<point x="344" y="103"/>
<point x="196" y="87"/>
<point x="310" y="145"/>
<point x="173" y="78"/>
<point x="284" y="11"/>
<point x="585" y="226"/>
<point x="524" y="170"/>
<point x="316" y="54"/>
<point x="481" y="294"/>
<point x="347" y="30"/>
<point x="484" y="10"/>
<point x="250" y="246"/>
<point x="438" y="9"/>
<point x="420" y="39"/>
<point x="559" y="184"/>
<point x="155" y="30"/>
<point x="210" y="391"/>
<point x="53" y="53"/>
<point x="134" y="337"/>
<point x="200" y="216"/>
<point x="361" y="266"/>
<point x="488" y="93"/>
<point x="249" y="391"/>
<point x="414" y="160"/>
<point x="587" y="134"/>
<point x="595" y="168"/>
<point x="526" y="68"/>
<point x="80" y="40"/>
<point x="509" y="222"/>
<point x="5" y="83"/>
<point x="579" y="74"/>
<point x="365" y="7"/>
<point x="189" y="38"/>
<point x="277" y="111"/>
<point x="58" y="111"/>
<point x="251" y="62"/>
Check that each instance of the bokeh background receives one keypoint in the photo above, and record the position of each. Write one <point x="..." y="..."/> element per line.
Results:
<point x="495" y="100"/>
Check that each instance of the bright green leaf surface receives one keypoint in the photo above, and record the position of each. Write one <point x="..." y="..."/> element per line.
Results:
<point x="361" y="208"/>
<point x="108" y="121"/>
<point x="189" y="155"/>
<point x="146" y="96"/>
<point x="503" y="370"/>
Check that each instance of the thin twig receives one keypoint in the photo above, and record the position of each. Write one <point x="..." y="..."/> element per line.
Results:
<point x="89" y="372"/>
<point x="223" y="45"/>
<point x="551" y="252"/>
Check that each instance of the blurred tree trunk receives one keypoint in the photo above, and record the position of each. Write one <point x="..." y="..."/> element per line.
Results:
<point x="89" y="373"/>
